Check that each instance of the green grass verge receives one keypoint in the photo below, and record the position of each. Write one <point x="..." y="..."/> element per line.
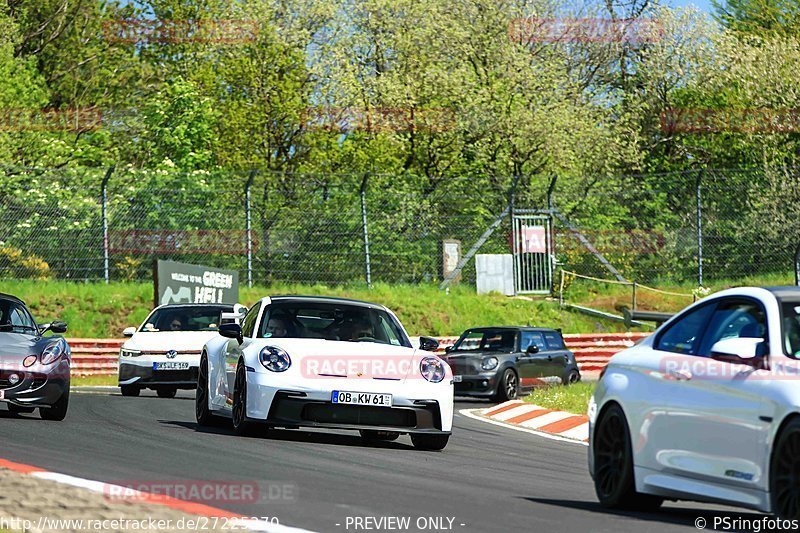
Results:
<point x="572" y="399"/>
<point x="100" y="310"/>
<point x="93" y="381"/>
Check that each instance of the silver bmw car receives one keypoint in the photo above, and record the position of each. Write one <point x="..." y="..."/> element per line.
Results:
<point x="34" y="369"/>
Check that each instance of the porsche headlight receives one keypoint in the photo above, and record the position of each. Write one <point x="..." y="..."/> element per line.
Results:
<point x="274" y="359"/>
<point x="432" y="369"/>
<point x="489" y="363"/>
<point x="129" y="353"/>
<point x="54" y="352"/>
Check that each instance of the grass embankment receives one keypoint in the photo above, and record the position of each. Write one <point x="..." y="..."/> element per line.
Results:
<point x="100" y="310"/>
<point x="573" y="399"/>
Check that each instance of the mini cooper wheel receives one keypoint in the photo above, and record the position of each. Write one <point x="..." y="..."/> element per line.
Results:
<point x="429" y="442"/>
<point x="785" y="473"/>
<point x="241" y="426"/>
<point x="371" y="434"/>
<point x="508" y="388"/>
<point x="613" y="465"/>
<point x="129" y="390"/>
<point x="201" y="411"/>
<point x="58" y="411"/>
<point x="19" y="410"/>
<point x="166" y="392"/>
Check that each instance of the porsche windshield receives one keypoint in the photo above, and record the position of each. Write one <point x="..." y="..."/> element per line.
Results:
<point x="185" y="318"/>
<point x="487" y="340"/>
<point x="331" y="321"/>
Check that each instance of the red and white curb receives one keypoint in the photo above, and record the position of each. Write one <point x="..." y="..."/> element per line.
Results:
<point x="523" y="416"/>
<point x="154" y="499"/>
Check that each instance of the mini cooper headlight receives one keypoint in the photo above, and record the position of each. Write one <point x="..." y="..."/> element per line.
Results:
<point x="54" y="352"/>
<point x="129" y="353"/>
<point x="489" y="363"/>
<point x="432" y="369"/>
<point x="274" y="359"/>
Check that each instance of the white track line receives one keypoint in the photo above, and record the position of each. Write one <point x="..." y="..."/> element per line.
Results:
<point x="471" y="414"/>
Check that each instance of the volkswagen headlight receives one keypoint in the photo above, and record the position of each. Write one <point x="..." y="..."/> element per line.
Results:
<point x="129" y="353"/>
<point x="489" y="363"/>
<point x="432" y="369"/>
<point x="274" y="359"/>
<point x="54" y="352"/>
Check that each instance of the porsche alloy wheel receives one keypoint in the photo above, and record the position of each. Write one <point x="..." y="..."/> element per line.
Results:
<point x="202" y="413"/>
<point x="239" y="411"/>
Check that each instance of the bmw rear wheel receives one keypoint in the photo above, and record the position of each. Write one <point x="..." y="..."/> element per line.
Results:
<point x="785" y="473"/>
<point x="613" y="465"/>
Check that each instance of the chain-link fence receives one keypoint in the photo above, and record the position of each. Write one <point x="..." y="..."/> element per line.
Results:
<point x="111" y="224"/>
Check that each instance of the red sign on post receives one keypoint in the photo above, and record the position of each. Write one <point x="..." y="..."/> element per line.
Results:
<point x="533" y="240"/>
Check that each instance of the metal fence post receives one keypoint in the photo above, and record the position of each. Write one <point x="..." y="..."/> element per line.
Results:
<point x="699" y="232"/>
<point x="249" y="225"/>
<point x="364" y="224"/>
<point x="104" y="214"/>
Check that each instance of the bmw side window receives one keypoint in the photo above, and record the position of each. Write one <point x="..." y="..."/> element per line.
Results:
<point x="683" y="336"/>
<point x="249" y="322"/>
<point x="734" y="319"/>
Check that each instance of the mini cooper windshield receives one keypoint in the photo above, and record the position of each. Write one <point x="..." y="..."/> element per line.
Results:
<point x="487" y="340"/>
<point x="184" y="318"/>
<point x="331" y="321"/>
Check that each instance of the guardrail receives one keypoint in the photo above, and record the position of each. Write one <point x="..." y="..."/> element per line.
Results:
<point x="99" y="357"/>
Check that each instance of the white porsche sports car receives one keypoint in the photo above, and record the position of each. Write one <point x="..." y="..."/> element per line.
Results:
<point x="707" y="408"/>
<point x="321" y="362"/>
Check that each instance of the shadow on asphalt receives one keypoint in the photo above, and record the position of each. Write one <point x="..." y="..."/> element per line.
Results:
<point x="294" y="435"/>
<point x="669" y="515"/>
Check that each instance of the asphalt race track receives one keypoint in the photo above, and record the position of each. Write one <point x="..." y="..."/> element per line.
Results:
<point x="489" y="478"/>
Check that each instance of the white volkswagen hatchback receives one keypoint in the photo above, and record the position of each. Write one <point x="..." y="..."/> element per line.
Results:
<point x="707" y="408"/>
<point x="326" y="363"/>
<point x="164" y="352"/>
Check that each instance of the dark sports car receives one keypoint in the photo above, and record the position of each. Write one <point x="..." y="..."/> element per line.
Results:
<point x="34" y="369"/>
<point x="502" y="362"/>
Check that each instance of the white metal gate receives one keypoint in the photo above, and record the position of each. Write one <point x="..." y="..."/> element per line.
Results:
<point x="533" y="253"/>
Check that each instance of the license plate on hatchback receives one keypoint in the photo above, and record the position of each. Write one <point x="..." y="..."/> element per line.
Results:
<point x="362" y="398"/>
<point x="171" y="365"/>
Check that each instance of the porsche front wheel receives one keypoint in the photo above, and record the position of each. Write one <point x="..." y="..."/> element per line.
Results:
<point x="241" y="426"/>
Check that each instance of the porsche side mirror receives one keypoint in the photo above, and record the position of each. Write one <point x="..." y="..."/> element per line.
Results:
<point x="739" y="350"/>
<point x="56" y="326"/>
<point x="231" y="331"/>
<point x="532" y="349"/>
<point x="429" y="344"/>
<point x="129" y="331"/>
